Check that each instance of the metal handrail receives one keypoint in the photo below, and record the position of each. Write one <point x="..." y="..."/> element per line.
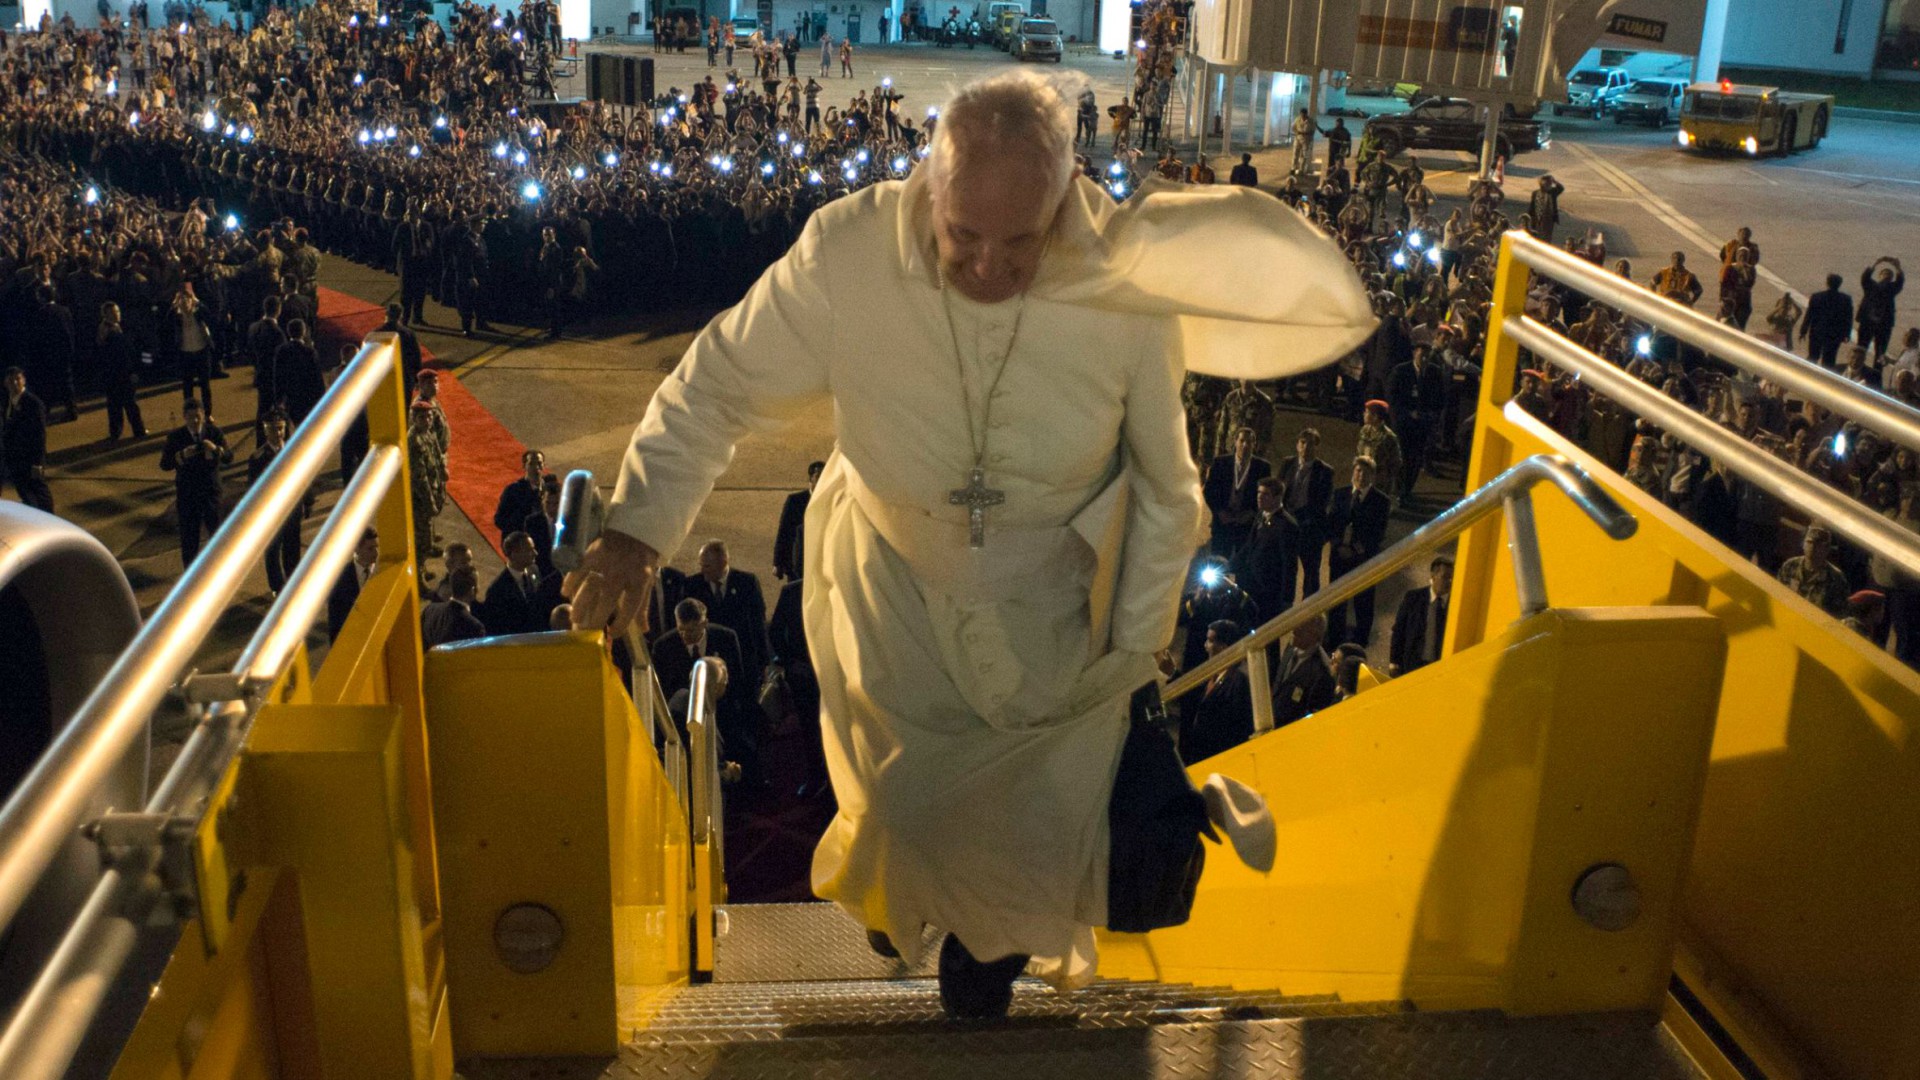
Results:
<point x="1510" y="491"/>
<point x="704" y="758"/>
<point x="1779" y="479"/>
<point x="52" y="801"/>
<point x="1842" y="395"/>
<point x="46" y="1028"/>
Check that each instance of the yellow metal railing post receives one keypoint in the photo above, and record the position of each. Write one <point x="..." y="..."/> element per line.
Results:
<point x="1479" y="552"/>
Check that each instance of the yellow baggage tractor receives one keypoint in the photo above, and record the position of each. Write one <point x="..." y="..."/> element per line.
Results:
<point x="1752" y="120"/>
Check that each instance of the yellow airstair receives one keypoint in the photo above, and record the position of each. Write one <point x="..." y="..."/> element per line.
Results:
<point x="1650" y="815"/>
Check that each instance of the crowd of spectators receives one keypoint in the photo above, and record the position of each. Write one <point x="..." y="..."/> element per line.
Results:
<point x="137" y="162"/>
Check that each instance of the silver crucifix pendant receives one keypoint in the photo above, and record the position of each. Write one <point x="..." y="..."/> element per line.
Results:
<point x="976" y="497"/>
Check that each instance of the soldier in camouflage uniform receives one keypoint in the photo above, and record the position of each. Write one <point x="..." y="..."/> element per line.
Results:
<point x="427" y="468"/>
<point x="1248" y="406"/>
<point x="1202" y="395"/>
<point x="1813" y="575"/>
<point x="1377" y="441"/>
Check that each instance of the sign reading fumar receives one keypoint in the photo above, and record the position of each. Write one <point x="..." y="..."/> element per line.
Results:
<point x="1632" y="26"/>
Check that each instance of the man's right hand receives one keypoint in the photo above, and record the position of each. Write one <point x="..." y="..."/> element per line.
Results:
<point x="610" y="588"/>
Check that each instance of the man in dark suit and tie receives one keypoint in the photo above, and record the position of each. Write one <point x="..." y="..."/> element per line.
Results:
<point x="353" y="577"/>
<point x="1264" y="564"/>
<point x="1416" y="397"/>
<point x="692" y="638"/>
<point x="732" y="599"/>
<point x="1231" y="484"/>
<point x="1828" y="322"/>
<point x="453" y="619"/>
<point x="522" y="497"/>
<point x="193" y="454"/>
<point x="1221" y="717"/>
<point x="1303" y="681"/>
<point x="1357" y="523"/>
<point x="542" y="523"/>
<point x="23" y="442"/>
<point x="512" y="604"/>
<point x="1421" y="622"/>
<point x="1306" y="489"/>
<point x="790" y="541"/>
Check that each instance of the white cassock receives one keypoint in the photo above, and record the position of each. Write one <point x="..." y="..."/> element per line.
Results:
<point x="974" y="700"/>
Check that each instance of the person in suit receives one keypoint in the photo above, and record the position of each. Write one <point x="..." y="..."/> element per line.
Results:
<point x="1306" y="489"/>
<point x="692" y="638"/>
<point x="283" y="554"/>
<point x="50" y="349"/>
<point x="296" y="373"/>
<point x="453" y="619"/>
<point x="732" y="599"/>
<point x="787" y="636"/>
<point x="1216" y="597"/>
<point x="541" y="524"/>
<point x="1421" y="622"/>
<point x="1230" y="491"/>
<point x="1828" y="321"/>
<point x="1244" y="174"/>
<point x="410" y="359"/>
<point x="193" y="454"/>
<point x="458" y="555"/>
<point x="23" y="442"/>
<point x="790" y="540"/>
<point x="522" y="497"/>
<point x="512" y="604"/>
<point x="1221" y="716"/>
<point x="118" y="357"/>
<point x="1357" y="527"/>
<point x="353" y="577"/>
<point x="1416" y="397"/>
<point x="263" y="340"/>
<point x="1303" y="681"/>
<point x="1264" y="564"/>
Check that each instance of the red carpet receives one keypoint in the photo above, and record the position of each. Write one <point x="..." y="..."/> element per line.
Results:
<point x="485" y="457"/>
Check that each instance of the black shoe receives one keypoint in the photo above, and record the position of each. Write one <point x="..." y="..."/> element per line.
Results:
<point x="971" y="990"/>
<point x="879" y="942"/>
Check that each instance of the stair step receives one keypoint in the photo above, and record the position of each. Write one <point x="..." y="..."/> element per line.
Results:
<point x="1389" y="1046"/>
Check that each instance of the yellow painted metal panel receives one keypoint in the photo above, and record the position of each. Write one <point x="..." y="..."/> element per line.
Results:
<point x="1800" y="904"/>
<point x="1432" y="829"/>
<point x="547" y="792"/>
<point x="177" y="1021"/>
<point x="321" y="792"/>
<point x="1803" y="880"/>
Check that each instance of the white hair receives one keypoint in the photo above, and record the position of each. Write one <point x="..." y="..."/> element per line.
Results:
<point x="1018" y="113"/>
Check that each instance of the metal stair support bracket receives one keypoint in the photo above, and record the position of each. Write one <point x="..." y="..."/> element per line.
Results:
<point x="1509" y="491"/>
<point x="47" y="1027"/>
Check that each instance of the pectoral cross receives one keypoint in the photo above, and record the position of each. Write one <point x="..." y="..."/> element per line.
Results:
<point x="976" y="497"/>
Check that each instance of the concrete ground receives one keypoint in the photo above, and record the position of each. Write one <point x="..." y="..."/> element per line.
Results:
<point x="1834" y="208"/>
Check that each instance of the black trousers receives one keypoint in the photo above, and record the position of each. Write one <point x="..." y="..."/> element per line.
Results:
<point x="196" y="369"/>
<point x="1338" y="631"/>
<point x="198" y="514"/>
<point x="33" y="490"/>
<point x="123" y="408"/>
<point x="1876" y="337"/>
<point x="283" y="554"/>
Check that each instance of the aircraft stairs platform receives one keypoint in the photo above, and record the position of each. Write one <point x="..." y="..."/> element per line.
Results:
<point x="796" y="993"/>
<point x="1649" y="815"/>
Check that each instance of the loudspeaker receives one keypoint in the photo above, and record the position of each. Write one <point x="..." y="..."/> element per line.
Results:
<point x="600" y="68"/>
<point x="636" y="83"/>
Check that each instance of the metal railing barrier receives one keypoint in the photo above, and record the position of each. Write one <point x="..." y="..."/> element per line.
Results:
<point x="1510" y="491"/>
<point x="146" y="851"/>
<point x="703" y="735"/>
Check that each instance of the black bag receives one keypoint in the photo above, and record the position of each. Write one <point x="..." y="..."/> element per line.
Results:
<point x="1156" y="819"/>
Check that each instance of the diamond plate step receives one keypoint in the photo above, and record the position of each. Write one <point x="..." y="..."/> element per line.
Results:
<point x="806" y="943"/>
<point x="1401" y="1046"/>
<point x="721" y="1013"/>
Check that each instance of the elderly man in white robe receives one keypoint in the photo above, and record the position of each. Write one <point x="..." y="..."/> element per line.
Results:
<point x="997" y="546"/>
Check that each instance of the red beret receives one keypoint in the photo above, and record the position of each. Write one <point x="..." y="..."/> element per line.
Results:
<point x="1866" y="595"/>
<point x="1376" y="403"/>
<point x="1536" y="373"/>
